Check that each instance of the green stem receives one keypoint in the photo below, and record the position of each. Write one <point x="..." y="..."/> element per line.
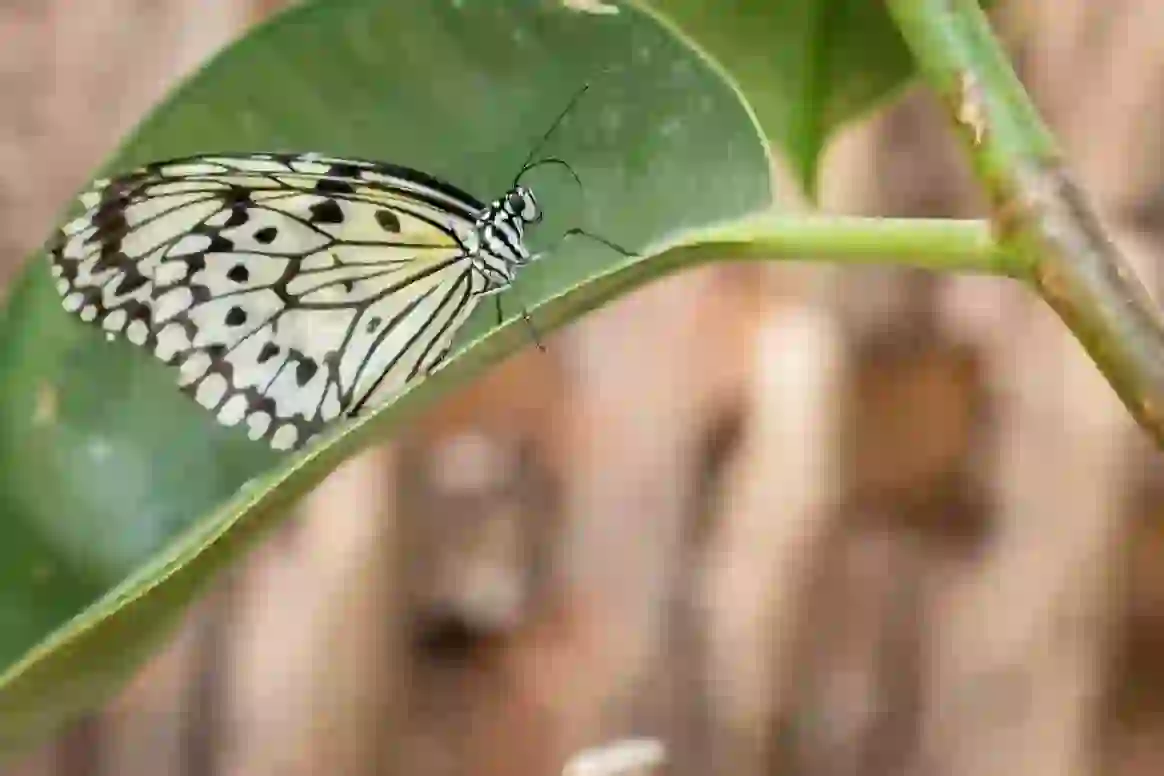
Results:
<point x="934" y="244"/>
<point x="1041" y="217"/>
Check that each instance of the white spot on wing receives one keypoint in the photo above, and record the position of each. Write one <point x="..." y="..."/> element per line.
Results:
<point x="250" y="164"/>
<point x="176" y="300"/>
<point x="284" y="438"/>
<point x="137" y="332"/>
<point x="257" y="424"/>
<point x="233" y="411"/>
<point x="309" y="167"/>
<point x="179" y="187"/>
<point x="77" y="225"/>
<point x="211" y="390"/>
<point x="170" y="272"/>
<point x="193" y="367"/>
<point x="115" y="321"/>
<point x="191" y="168"/>
<point x="76" y="248"/>
<point x="172" y="340"/>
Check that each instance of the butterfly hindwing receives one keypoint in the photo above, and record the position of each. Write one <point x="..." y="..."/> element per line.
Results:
<point x="287" y="290"/>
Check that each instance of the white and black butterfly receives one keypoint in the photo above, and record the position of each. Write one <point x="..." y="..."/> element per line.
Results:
<point x="289" y="290"/>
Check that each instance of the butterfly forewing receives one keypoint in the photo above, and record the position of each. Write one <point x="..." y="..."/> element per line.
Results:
<point x="287" y="290"/>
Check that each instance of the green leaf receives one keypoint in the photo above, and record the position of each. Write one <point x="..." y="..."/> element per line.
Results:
<point x="120" y="497"/>
<point x="806" y="66"/>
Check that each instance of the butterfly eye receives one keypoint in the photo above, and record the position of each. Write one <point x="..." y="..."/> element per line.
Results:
<point x="523" y="204"/>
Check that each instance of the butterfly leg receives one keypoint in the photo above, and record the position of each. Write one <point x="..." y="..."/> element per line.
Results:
<point x="533" y="331"/>
<point x="579" y="232"/>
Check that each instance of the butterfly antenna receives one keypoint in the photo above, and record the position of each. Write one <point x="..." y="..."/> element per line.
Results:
<point x="553" y="128"/>
<point x="554" y="161"/>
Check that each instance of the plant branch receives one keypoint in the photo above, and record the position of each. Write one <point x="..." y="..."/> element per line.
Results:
<point x="945" y="245"/>
<point x="1042" y="218"/>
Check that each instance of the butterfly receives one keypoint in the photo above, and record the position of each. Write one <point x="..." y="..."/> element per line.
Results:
<point x="290" y="290"/>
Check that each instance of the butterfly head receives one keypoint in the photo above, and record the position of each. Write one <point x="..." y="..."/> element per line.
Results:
<point x="520" y="203"/>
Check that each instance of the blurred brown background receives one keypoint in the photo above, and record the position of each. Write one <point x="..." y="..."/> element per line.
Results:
<point x="859" y="523"/>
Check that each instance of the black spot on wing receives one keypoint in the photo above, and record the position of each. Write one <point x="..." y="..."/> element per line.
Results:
<point x="236" y="316"/>
<point x="333" y="186"/>
<point x="199" y="294"/>
<point x="219" y="244"/>
<point x="268" y="351"/>
<point x="109" y="220"/>
<point x="195" y="262"/>
<point x="237" y="199"/>
<point x="238" y="273"/>
<point x="111" y="225"/>
<point x="111" y="257"/>
<point x="266" y="235"/>
<point x="305" y="370"/>
<point x="388" y="221"/>
<point x="238" y="216"/>
<point x="344" y="170"/>
<point x="237" y="195"/>
<point x="327" y="212"/>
